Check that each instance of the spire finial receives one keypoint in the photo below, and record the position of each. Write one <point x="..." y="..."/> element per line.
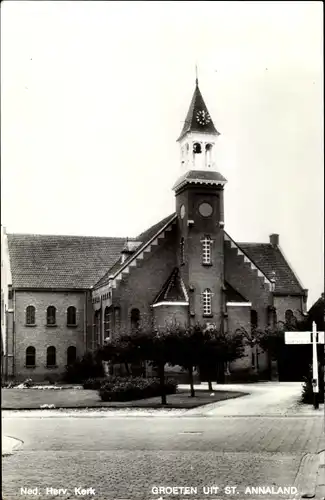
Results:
<point x="196" y="76"/>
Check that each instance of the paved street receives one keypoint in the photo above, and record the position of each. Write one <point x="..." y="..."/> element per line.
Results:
<point x="125" y="457"/>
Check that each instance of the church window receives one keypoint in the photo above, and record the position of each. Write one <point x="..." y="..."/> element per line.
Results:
<point x="289" y="317"/>
<point x="197" y="149"/>
<point x="71" y="316"/>
<point x="30" y="315"/>
<point x="30" y="356"/>
<point x="208" y="154"/>
<point x="71" y="355"/>
<point x="207" y="302"/>
<point x="182" y="251"/>
<point x="254" y="318"/>
<point x="107" y="322"/>
<point x="51" y="356"/>
<point x="206" y="250"/>
<point x="51" y="315"/>
<point x="135" y="319"/>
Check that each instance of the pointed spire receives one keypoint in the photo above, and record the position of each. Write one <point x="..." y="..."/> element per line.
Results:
<point x="198" y="118"/>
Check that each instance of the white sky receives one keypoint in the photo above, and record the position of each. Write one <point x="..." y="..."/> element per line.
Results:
<point x="94" y="95"/>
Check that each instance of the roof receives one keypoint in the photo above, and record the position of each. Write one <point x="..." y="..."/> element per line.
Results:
<point x="144" y="238"/>
<point x="232" y="295"/>
<point x="191" y="123"/>
<point x="46" y="261"/>
<point x="172" y="290"/>
<point x="273" y="264"/>
<point x="200" y="177"/>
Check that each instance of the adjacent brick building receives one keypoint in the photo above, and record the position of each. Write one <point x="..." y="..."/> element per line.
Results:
<point x="68" y="294"/>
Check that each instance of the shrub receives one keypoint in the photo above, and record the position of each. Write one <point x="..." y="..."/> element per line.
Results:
<point x="307" y="396"/>
<point x="89" y="366"/>
<point x="94" y="383"/>
<point x="131" y="388"/>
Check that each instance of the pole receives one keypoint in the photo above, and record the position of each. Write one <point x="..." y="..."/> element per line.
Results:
<point x="315" y="368"/>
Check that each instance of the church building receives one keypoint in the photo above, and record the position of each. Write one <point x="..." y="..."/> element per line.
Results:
<point x="65" y="295"/>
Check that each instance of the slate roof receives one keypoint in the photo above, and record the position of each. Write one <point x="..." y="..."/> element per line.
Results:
<point x="62" y="262"/>
<point x="172" y="290"/>
<point x="191" y="124"/>
<point x="205" y="176"/>
<point x="271" y="261"/>
<point x="144" y="238"/>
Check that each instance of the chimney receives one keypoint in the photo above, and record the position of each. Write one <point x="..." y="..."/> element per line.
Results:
<point x="274" y="239"/>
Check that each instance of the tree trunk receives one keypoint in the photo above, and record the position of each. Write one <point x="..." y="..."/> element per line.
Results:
<point x="190" y="372"/>
<point x="161" y="371"/>
<point x="210" y="385"/>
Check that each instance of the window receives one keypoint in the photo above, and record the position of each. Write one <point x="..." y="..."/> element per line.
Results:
<point x="51" y="356"/>
<point x="71" y="316"/>
<point x="208" y="154"/>
<point x="206" y="250"/>
<point x="97" y="329"/>
<point x="30" y="356"/>
<point x="182" y="252"/>
<point x="71" y="355"/>
<point x="135" y="319"/>
<point x="197" y="149"/>
<point x="51" y="315"/>
<point x="254" y="319"/>
<point x="290" y="318"/>
<point x="207" y="307"/>
<point x="117" y="316"/>
<point x="107" y="322"/>
<point x="30" y="315"/>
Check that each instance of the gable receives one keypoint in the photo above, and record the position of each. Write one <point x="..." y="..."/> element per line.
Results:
<point x="173" y="290"/>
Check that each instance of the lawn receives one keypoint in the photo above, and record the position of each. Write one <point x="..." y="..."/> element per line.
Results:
<point x="27" y="399"/>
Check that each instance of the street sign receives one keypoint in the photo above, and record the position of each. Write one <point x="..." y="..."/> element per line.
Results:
<point x="303" y="338"/>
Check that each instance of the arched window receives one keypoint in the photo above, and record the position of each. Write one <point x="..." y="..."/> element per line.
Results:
<point x="135" y="319"/>
<point x="182" y="251"/>
<point x="207" y="302"/>
<point x="206" y="250"/>
<point x="197" y="149"/>
<point x="71" y="355"/>
<point x="254" y="318"/>
<point x="51" y="356"/>
<point x="30" y="356"/>
<point x="51" y="315"/>
<point x="208" y="154"/>
<point x="107" y="322"/>
<point x="71" y="316"/>
<point x="30" y="315"/>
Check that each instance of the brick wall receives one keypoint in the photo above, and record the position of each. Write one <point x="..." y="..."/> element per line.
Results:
<point x="282" y="303"/>
<point x="170" y="314"/>
<point x="42" y="336"/>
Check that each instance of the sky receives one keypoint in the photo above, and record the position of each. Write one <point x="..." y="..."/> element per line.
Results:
<point x="94" y="95"/>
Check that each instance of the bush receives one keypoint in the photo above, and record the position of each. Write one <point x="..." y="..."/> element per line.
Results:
<point x="94" y="383"/>
<point x="307" y="396"/>
<point x="131" y="388"/>
<point x="89" y="366"/>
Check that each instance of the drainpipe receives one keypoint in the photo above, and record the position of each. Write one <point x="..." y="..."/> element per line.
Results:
<point x="14" y="335"/>
<point x="85" y="322"/>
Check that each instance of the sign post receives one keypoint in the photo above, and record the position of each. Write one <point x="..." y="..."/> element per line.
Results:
<point x="313" y="338"/>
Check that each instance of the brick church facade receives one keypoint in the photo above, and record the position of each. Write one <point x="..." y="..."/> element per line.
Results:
<point x="65" y="295"/>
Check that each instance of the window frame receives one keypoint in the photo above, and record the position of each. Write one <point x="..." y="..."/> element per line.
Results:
<point x="52" y="353"/>
<point x="107" y="322"/>
<point x="30" y="312"/>
<point x="206" y="250"/>
<point x="30" y="365"/>
<point x="135" y="321"/>
<point x="75" y="354"/>
<point x="48" y="316"/>
<point x="69" y="310"/>
<point x="207" y="303"/>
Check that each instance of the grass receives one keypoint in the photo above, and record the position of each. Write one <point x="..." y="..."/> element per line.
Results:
<point x="28" y="399"/>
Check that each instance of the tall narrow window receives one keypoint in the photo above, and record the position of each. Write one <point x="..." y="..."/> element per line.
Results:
<point x="30" y="315"/>
<point x="254" y="319"/>
<point x="71" y="316"/>
<point x="107" y="322"/>
<point x="97" y="329"/>
<point x="30" y="356"/>
<point x="117" y="318"/>
<point x="289" y="317"/>
<point x="135" y="319"/>
<point x="197" y="149"/>
<point x="207" y="302"/>
<point x="51" y="315"/>
<point x="182" y="251"/>
<point x="208" y="155"/>
<point x="206" y="250"/>
<point x="71" y="355"/>
<point x="51" y="356"/>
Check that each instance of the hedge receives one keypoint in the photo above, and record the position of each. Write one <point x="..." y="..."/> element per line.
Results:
<point x="131" y="388"/>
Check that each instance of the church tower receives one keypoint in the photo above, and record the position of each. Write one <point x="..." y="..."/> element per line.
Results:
<point x="199" y="207"/>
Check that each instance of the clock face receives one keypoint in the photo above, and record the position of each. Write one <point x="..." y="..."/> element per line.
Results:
<point x="182" y="211"/>
<point x="202" y="117"/>
<point x="205" y="209"/>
